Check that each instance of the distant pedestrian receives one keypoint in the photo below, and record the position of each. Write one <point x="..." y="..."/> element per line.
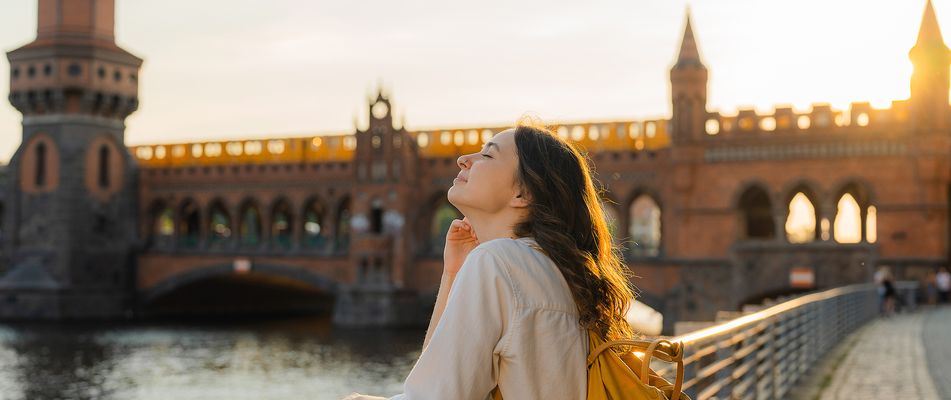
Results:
<point x="943" y="282"/>
<point x="881" y="274"/>
<point x="889" y="294"/>
<point x="931" y="287"/>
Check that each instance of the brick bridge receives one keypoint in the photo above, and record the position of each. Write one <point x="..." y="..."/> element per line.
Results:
<point x="714" y="210"/>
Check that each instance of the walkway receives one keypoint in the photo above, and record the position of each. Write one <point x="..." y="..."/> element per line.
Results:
<point x="907" y="356"/>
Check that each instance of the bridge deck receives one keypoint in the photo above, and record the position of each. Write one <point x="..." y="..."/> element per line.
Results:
<point x="907" y="356"/>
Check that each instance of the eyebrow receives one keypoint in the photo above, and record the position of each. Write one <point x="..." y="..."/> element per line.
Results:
<point x="490" y="144"/>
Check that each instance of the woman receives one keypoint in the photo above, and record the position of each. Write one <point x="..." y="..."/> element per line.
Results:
<point x="527" y="272"/>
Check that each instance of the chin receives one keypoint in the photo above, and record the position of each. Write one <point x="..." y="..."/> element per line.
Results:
<point x="456" y="197"/>
<point x="452" y="195"/>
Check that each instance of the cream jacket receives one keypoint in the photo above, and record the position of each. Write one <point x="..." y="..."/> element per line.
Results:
<point x="509" y="321"/>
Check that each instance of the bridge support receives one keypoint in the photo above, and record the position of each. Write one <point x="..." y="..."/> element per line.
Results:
<point x="378" y="305"/>
<point x="30" y="291"/>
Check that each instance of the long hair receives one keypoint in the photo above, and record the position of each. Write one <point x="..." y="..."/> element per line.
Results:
<point x="566" y="220"/>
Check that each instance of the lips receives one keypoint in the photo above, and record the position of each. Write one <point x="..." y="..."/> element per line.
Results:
<point x="461" y="178"/>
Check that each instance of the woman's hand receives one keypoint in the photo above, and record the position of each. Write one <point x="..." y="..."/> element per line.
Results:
<point x="460" y="240"/>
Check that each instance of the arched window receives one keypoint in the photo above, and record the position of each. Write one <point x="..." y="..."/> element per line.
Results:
<point x="757" y="214"/>
<point x="281" y="224"/>
<point x="188" y="225"/>
<point x="439" y="226"/>
<point x="376" y="216"/>
<point x="645" y="228"/>
<point x="250" y="225"/>
<point x="40" y="179"/>
<point x="342" y="237"/>
<point x="165" y="223"/>
<point x="162" y="219"/>
<point x="856" y="219"/>
<point x="104" y="167"/>
<point x="847" y="227"/>
<point x="314" y="235"/>
<point x="220" y="224"/>
<point x="801" y="221"/>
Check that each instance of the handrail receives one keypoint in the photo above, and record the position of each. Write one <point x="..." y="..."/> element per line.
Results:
<point x="769" y="312"/>
<point x="764" y="353"/>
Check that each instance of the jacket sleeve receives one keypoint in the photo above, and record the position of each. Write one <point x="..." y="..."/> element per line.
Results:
<point x="462" y="358"/>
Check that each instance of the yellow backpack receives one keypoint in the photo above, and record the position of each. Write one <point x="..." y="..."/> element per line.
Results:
<point x="627" y="377"/>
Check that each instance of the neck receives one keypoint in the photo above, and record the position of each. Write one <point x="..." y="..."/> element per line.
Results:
<point x="493" y="226"/>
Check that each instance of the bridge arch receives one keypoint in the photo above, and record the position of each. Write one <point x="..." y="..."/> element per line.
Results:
<point x="281" y="231"/>
<point x="250" y="222"/>
<point x="188" y="229"/>
<point x="755" y="206"/>
<point x="218" y="223"/>
<point x="342" y="225"/>
<point x="437" y="214"/>
<point x="296" y="275"/>
<point x="612" y="216"/>
<point x="315" y="226"/>
<point x="160" y="228"/>
<point x="645" y="226"/>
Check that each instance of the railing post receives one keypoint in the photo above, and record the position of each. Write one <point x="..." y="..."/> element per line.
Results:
<point x="766" y="385"/>
<point x="779" y="355"/>
<point x="725" y="374"/>
<point x="808" y="339"/>
<point x="798" y="348"/>
<point x="690" y="372"/>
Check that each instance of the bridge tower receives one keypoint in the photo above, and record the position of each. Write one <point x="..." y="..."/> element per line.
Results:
<point x="385" y="173"/>
<point x="72" y="180"/>
<point x="930" y="80"/>
<point x="688" y="90"/>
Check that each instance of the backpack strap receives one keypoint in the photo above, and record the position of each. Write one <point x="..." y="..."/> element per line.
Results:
<point x="663" y="349"/>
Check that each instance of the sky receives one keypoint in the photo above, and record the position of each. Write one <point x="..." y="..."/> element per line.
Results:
<point x="235" y="69"/>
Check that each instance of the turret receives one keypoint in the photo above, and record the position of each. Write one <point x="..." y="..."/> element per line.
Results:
<point x="688" y="87"/>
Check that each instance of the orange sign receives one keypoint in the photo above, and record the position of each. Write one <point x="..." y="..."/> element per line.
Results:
<point x="242" y="265"/>
<point x="802" y="277"/>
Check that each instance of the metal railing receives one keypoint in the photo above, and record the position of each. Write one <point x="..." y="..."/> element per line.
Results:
<point x="761" y="355"/>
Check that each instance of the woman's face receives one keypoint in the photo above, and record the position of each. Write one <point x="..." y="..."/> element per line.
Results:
<point x="486" y="180"/>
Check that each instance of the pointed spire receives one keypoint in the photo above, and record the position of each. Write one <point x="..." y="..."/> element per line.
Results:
<point x="380" y="90"/>
<point x="930" y="31"/>
<point x="689" y="54"/>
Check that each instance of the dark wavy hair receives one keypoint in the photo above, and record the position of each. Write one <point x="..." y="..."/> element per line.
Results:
<point x="566" y="219"/>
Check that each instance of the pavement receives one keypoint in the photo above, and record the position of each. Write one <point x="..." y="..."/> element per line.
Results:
<point x="905" y="356"/>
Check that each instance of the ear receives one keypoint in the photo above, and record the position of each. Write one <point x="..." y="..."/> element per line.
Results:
<point x="520" y="200"/>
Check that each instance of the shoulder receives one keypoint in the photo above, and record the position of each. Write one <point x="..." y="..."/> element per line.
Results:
<point x="489" y="259"/>
<point x="498" y="258"/>
<point x="537" y="281"/>
<point x="503" y="254"/>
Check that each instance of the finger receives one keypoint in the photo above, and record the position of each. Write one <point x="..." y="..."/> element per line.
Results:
<point x="456" y="226"/>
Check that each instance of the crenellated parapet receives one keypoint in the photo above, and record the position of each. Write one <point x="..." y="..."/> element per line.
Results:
<point x="74" y="66"/>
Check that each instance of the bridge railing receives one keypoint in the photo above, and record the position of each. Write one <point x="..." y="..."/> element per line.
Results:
<point x="761" y="355"/>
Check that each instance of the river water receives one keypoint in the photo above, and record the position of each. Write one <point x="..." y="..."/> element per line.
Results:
<point x="284" y="359"/>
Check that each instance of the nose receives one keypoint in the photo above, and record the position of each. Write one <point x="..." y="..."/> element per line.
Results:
<point x="463" y="162"/>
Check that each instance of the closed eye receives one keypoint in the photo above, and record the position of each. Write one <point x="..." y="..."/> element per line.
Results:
<point x="486" y="155"/>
